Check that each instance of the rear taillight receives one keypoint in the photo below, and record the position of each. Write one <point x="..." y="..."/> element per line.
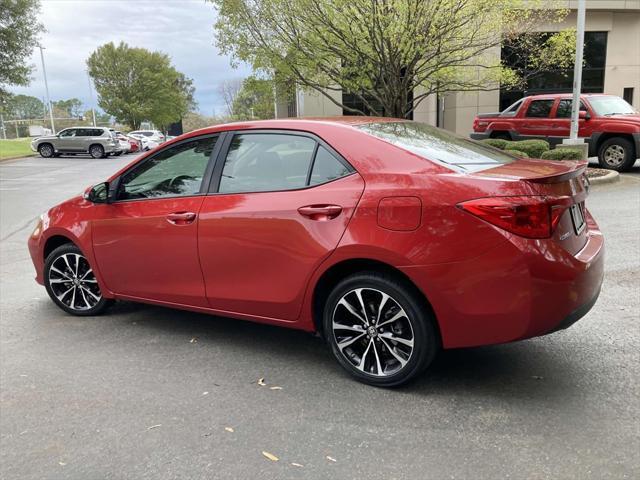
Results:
<point x="527" y="216"/>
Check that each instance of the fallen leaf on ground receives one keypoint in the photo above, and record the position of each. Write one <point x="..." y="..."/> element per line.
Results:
<point x="296" y="464"/>
<point x="275" y="388"/>
<point x="62" y="464"/>
<point x="154" y="426"/>
<point x="205" y="393"/>
<point x="229" y="429"/>
<point x="331" y="459"/>
<point x="193" y="340"/>
<point x="270" y="456"/>
<point x="261" y="382"/>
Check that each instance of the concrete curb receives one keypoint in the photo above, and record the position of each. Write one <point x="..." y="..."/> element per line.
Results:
<point x="610" y="177"/>
<point x="18" y="157"/>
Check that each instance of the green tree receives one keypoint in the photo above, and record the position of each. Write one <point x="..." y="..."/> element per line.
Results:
<point x="24" y="107"/>
<point x="19" y="29"/>
<point x="254" y="100"/>
<point x="72" y="107"/>
<point x="391" y="54"/>
<point x="135" y="84"/>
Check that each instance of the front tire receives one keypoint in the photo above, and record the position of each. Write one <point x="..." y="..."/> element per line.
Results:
<point x="46" y="150"/>
<point x="616" y="153"/>
<point x="71" y="283"/>
<point x="379" y="329"/>
<point x="96" y="151"/>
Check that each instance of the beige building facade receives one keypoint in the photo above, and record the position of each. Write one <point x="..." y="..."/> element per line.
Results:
<point x="615" y="22"/>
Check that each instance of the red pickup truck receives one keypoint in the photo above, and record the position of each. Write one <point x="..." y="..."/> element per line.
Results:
<point x="608" y="124"/>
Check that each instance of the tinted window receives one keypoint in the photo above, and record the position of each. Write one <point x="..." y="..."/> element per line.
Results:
<point x="68" y="133"/>
<point x="266" y="162"/>
<point x="539" y="108"/>
<point x="326" y="167"/>
<point x="175" y="171"/>
<point x="431" y="143"/>
<point x="564" y="108"/>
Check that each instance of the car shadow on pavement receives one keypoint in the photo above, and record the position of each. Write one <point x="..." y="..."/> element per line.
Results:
<point x="532" y="369"/>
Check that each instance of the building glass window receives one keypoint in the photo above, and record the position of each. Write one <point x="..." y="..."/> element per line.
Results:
<point x="560" y="80"/>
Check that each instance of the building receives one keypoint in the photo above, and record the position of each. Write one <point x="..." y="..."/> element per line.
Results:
<point x="612" y="65"/>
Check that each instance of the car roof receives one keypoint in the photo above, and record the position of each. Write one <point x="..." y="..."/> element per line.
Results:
<point x="565" y="95"/>
<point x="309" y="124"/>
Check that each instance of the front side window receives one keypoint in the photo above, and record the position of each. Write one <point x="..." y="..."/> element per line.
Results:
<point x="440" y="146"/>
<point x="262" y="162"/>
<point x="539" y="108"/>
<point x="174" y="172"/>
<point x="70" y="132"/>
<point x="564" y="108"/>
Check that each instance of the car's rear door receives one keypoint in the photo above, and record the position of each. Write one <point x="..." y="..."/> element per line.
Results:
<point x="145" y="242"/>
<point x="537" y="121"/>
<point x="280" y="203"/>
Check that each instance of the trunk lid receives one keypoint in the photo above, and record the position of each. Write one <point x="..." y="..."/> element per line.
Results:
<point x="562" y="183"/>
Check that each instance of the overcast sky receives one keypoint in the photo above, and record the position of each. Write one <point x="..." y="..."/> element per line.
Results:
<point x="181" y="28"/>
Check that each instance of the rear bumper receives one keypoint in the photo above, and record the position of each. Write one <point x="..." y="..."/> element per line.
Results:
<point x="519" y="289"/>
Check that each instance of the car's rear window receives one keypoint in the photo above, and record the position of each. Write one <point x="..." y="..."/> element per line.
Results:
<point x="440" y="146"/>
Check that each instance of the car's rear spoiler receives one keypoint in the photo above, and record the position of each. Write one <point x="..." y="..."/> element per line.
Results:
<point x="538" y="171"/>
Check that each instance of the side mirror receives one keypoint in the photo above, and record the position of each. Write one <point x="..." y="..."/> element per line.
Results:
<point x="99" y="193"/>
<point x="583" y="115"/>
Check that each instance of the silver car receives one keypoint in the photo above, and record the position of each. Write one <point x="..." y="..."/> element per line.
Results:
<point x="98" y="142"/>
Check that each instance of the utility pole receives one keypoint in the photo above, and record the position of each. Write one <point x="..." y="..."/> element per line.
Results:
<point x="577" y="71"/>
<point x="93" y="110"/>
<point x="46" y="86"/>
<point x="4" y="132"/>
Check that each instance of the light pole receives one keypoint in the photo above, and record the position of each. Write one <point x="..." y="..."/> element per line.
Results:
<point x="93" y="110"/>
<point x="577" y="76"/>
<point x="46" y="86"/>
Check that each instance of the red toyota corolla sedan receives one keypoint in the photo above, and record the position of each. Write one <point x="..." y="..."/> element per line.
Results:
<point x="391" y="238"/>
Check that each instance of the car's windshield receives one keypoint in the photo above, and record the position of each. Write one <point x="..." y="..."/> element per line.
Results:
<point x="610" y="105"/>
<point x="453" y="151"/>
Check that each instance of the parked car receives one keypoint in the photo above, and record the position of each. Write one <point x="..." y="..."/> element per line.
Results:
<point x="154" y="135"/>
<point x="390" y="238"/>
<point x="609" y="125"/>
<point x="124" y="142"/>
<point x="146" y="142"/>
<point x="135" y="145"/>
<point x="96" y="141"/>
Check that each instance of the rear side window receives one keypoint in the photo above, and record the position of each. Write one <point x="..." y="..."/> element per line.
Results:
<point x="326" y="167"/>
<point x="440" y="146"/>
<point x="539" y="108"/>
<point x="266" y="162"/>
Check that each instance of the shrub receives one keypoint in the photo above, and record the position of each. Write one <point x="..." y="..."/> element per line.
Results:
<point x="533" y="148"/>
<point x="496" y="142"/>
<point x="517" y="153"/>
<point x="562" y="154"/>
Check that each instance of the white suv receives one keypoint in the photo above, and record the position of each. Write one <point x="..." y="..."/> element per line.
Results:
<point x="154" y="135"/>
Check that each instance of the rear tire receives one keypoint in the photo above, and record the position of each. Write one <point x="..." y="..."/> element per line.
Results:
<point x="96" y="151"/>
<point x="502" y="136"/>
<point x="365" y="339"/>
<point x="71" y="284"/>
<point x="46" y="150"/>
<point x="617" y="154"/>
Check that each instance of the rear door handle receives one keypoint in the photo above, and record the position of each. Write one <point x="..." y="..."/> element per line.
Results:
<point x="181" y="218"/>
<point x="320" y="212"/>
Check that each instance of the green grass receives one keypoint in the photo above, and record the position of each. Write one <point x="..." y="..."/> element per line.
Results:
<point x="15" y="148"/>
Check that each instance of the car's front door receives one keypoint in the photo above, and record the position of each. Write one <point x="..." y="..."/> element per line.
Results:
<point x="66" y="140"/>
<point x="279" y="207"/>
<point x="145" y="242"/>
<point x="562" y="121"/>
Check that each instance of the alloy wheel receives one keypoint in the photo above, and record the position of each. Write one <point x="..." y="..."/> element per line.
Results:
<point x="373" y="332"/>
<point x="46" y="151"/>
<point x="73" y="282"/>
<point x="614" y="155"/>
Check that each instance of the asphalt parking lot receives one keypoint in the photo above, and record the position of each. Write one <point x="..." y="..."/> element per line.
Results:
<point x="146" y="392"/>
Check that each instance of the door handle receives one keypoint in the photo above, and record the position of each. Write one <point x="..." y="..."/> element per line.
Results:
<point x="181" y="218"/>
<point x="320" y="212"/>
